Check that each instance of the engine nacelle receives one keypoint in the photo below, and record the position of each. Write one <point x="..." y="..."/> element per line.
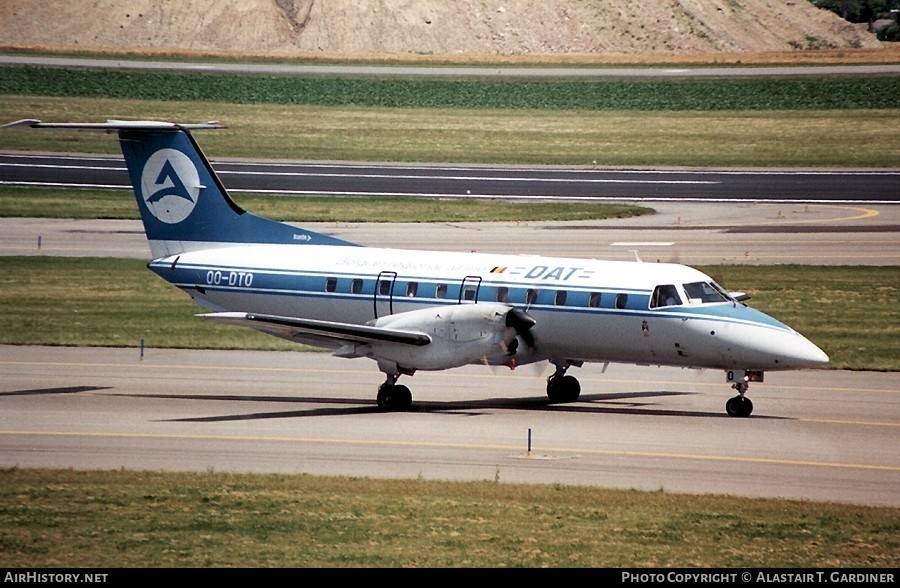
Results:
<point x="460" y="334"/>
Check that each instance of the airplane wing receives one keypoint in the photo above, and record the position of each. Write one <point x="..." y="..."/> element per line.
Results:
<point x="318" y="333"/>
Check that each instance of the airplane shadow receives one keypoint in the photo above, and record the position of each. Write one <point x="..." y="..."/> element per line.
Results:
<point x="626" y="403"/>
<point x="62" y="390"/>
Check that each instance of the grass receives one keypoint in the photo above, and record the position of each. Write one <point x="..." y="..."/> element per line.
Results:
<point x="810" y="138"/>
<point x="106" y="302"/>
<point x="118" y="302"/>
<point x="120" y="519"/>
<point x="487" y="93"/>
<point x="119" y="204"/>
<point x="66" y="203"/>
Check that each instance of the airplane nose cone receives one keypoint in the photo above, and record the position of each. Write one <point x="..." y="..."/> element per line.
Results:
<point x="803" y="353"/>
<point x="770" y="344"/>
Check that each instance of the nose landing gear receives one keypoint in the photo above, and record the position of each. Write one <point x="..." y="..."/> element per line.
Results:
<point x="740" y="405"/>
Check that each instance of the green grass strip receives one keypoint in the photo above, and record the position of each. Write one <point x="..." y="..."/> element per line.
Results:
<point x="787" y="93"/>
<point x="808" y="138"/>
<point x="106" y="302"/>
<point x="122" y="519"/>
<point x="120" y="204"/>
<point x="850" y="312"/>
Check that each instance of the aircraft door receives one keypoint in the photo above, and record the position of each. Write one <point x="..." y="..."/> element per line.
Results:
<point x="384" y="293"/>
<point x="468" y="291"/>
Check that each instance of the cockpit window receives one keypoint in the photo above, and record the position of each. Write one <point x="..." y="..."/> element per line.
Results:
<point x="702" y="292"/>
<point x="722" y="291"/>
<point x="666" y="295"/>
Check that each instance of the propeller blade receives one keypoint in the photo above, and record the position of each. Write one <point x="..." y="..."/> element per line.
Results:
<point x="521" y="322"/>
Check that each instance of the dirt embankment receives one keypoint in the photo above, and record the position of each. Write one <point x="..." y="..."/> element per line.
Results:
<point x="462" y="30"/>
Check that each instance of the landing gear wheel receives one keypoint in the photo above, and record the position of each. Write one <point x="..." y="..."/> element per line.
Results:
<point x="563" y="388"/>
<point x="739" y="406"/>
<point x="394" y="397"/>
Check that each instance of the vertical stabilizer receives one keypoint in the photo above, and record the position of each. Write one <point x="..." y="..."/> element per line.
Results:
<point x="183" y="205"/>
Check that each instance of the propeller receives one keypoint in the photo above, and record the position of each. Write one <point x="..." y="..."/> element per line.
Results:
<point x="521" y="322"/>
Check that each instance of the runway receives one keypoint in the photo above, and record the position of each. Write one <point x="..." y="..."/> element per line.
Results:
<point x="817" y="435"/>
<point x="523" y="183"/>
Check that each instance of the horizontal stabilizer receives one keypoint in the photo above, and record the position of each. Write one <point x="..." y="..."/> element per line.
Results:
<point x="115" y="125"/>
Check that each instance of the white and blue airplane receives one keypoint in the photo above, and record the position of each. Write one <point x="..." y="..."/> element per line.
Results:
<point x="433" y="310"/>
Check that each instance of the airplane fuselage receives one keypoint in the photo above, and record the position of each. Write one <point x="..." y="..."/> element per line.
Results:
<point x="600" y="311"/>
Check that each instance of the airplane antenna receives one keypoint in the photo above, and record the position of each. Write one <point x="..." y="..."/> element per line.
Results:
<point x="637" y="257"/>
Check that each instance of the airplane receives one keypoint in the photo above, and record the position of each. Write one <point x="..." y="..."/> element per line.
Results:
<point x="433" y="310"/>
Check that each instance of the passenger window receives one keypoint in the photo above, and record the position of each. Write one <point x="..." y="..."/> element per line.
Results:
<point x="384" y="287"/>
<point x="560" y="299"/>
<point x="356" y="286"/>
<point x="621" y="300"/>
<point x="502" y="294"/>
<point x="411" y="289"/>
<point x="440" y="291"/>
<point x="531" y="296"/>
<point x="330" y="284"/>
<point x="594" y="300"/>
<point x="469" y="293"/>
<point x="665" y="295"/>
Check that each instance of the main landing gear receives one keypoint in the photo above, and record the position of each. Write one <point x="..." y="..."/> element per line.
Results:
<point x="740" y="405"/>
<point x="392" y="396"/>
<point x="397" y="398"/>
<point x="563" y="388"/>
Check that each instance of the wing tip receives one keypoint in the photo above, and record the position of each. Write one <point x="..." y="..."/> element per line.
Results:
<point x="25" y="122"/>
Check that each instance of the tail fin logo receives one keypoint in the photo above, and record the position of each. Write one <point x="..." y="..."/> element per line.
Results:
<point x="170" y="185"/>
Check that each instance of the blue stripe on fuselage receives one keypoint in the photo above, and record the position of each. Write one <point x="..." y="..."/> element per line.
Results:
<point x="727" y="311"/>
<point x="312" y="285"/>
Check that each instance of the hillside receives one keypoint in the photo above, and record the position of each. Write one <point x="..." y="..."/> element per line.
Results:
<point x="592" y="29"/>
